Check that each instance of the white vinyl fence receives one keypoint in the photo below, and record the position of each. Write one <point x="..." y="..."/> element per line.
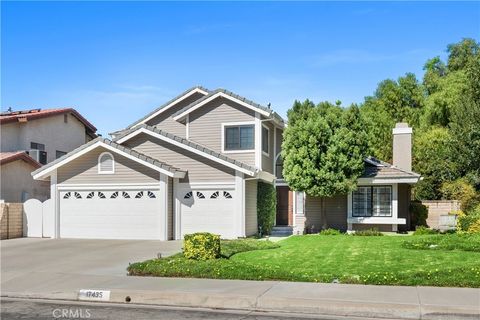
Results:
<point x="38" y="219"/>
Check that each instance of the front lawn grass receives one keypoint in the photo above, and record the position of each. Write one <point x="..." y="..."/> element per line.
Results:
<point x="348" y="259"/>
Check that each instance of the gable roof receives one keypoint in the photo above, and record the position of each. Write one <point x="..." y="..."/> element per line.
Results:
<point x="265" y="111"/>
<point x="375" y="168"/>
<point x="169" y="104"/>
<point x="187" y="145"/>
<point x="33" y="114"/>
<point x="7" y="157"/>
<point x="148" y="161"/>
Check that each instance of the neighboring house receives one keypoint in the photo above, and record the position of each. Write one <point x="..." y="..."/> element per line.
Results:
<point x="193" y="164"/>
<point x="32" y="138"/>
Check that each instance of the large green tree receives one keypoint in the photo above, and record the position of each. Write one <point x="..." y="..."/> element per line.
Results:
<point x="394" y="101"/>
<point x="323" y="149"/>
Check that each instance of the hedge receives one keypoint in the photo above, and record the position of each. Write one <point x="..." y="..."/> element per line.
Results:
<point x="266" y="207"/>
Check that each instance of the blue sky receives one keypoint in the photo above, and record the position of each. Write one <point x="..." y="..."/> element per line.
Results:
<point x="116" y="61"/>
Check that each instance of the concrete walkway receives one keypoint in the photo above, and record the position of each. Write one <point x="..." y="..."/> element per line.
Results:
<point x="60" y="280"/>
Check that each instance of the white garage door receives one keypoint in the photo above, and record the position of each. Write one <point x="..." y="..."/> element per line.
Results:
<point x="208" y="211"/>
<point x="112" y="214"/>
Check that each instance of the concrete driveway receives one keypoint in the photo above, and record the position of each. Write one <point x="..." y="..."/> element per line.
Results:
<point x="24" y="256"/>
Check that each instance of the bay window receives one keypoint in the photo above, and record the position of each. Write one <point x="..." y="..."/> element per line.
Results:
<point x="372" y="201"/>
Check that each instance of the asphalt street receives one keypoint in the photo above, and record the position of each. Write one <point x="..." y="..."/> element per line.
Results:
<point x="16" y="309"/>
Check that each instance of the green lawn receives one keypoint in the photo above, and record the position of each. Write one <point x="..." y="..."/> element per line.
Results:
<point x="439" y="260"/>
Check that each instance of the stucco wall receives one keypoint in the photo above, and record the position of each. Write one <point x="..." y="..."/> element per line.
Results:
<point x="53" y="132"/>
<point x="16" y="179"/>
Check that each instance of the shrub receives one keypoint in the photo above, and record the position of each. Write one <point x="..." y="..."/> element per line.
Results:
<point x="266" y="207"/>
<point x="462" y="191"/>
<point x="418" y="214"/>
<point x="470" y="221"/>
<point x="368" y="232"/>
<point x="330" y="232"/>
<point x="201" y="246"/>
<point x="421" y="230"/>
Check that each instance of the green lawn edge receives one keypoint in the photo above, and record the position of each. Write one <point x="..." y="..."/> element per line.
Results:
<point x="438" y="260"/>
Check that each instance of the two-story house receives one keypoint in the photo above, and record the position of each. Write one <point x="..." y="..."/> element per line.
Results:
<point x="32" y="138"/>
<point x="192" y="165"/>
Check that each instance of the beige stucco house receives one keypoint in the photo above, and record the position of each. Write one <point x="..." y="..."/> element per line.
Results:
<point x="32" y="138"/>
<point x="194" y="164"/>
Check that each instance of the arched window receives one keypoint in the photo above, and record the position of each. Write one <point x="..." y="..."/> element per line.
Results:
<point x="106" y="164"/>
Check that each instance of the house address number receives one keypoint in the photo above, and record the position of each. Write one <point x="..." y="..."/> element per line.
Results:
<point x="94" y="295"/>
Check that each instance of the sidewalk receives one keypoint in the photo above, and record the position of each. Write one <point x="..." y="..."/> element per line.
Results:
<point x="310" y="298"/>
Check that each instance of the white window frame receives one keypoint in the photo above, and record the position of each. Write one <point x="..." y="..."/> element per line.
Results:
<point x="268" y="141"/>
<point x="296" y="204"/>
<point x="99" y="166"/>
<point x="233" y="124"/>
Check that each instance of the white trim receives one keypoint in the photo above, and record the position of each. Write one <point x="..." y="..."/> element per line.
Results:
<point x="406" y="130"/>
<point x="186" y="147"/>
<point x="93" y="186"/>
<point x="54" y="195"/>
<point x="233" y="124"/>
<point x="268" y="141"/>
<point x="394" y="220"/>
<point x="266" y="176"/>
<point x="223" y="95"/>
<point x="171" y="104"/>
<point x="376" y="220"/>
<point x="99" y="171"/>
<point x="295" y="203"/>
<point x="240" y="203"/>
<point x="207" y="186"/>
<point x="163" y="206"/>
<point x="274" y="150"/>
<point x="258" y="141"/>
<point x="280" y="183"/>
<point x="177" y="223"/>
<point x="367" y="181"/>
<point x="45" y="173"/>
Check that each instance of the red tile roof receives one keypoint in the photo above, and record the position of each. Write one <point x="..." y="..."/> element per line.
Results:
<point x="6" y="157"/>
<point x="27" y="115"/>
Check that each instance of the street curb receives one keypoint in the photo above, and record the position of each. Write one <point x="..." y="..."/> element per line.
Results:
<point x="322" y="307"/>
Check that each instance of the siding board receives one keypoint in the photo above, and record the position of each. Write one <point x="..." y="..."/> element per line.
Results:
<point x="336" y="212"/>
<point x="164" y="120"/>
<point x="84" y="170"/>
<point x="251" y="224"/>
<point x="199" y="168"/>
<point x="205" y="126"/>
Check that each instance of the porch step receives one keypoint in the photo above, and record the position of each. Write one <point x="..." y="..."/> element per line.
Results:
<point x="281" y="231"/>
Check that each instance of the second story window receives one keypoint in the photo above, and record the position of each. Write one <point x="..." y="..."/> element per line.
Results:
<point x="59" y="154"/>
<point x="37" y="146"/>
<point x="265" y="140"/>
<point x="239" y="137"/>
<point x="106" y="164"/>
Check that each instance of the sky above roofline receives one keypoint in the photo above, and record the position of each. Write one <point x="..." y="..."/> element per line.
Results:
<point x="117" y="61"/>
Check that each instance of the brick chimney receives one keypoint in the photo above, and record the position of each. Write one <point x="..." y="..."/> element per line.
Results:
<point x="402" y="146"/>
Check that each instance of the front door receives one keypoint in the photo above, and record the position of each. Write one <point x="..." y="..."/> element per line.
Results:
<point x="282" y="206"/>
